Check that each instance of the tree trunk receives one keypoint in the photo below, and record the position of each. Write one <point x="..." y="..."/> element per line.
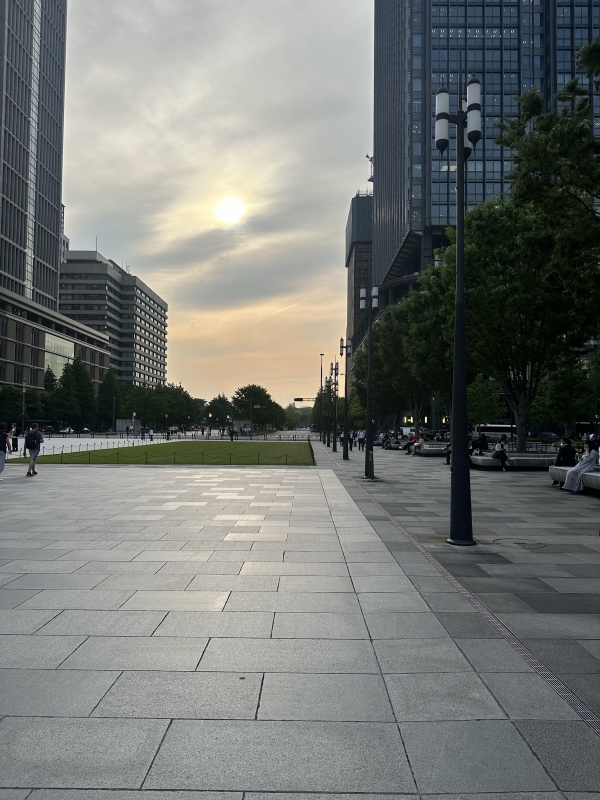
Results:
<point x="517" y="404"/>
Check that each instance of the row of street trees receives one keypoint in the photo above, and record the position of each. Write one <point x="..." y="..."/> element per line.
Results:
<point x="72" y="400"/>
<point x="252" y="404"/>
<point x="532" y="282"/>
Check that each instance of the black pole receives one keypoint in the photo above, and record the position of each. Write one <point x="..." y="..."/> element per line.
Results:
<point x="369" y="470"/>
<point x="461" y="523"/>
<point x="596" y="391"/>
<point x="321" y="435"/>
<point x="335" y="409"/>
<point x="345" y="455"/>
<point x="328" y="415"/>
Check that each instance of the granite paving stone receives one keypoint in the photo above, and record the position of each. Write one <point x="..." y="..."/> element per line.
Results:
<point x="352" y="698"/>
<point x="405" y="625"/>
<point x="570" y="751"/>
<point x="176" y="601"/>
<point x="237" y="624"/>
<point x="77" y="753"/>
<point x="319" y="626"/>
<point x="103" y="623"/>
<point x="36" y="652"/>
<point x="185" y="695"/>
<point x="77" y="599"/>
<point x="434" y="696"/>
<point x="52" y="693"/>
<point x="527" y="696"/>
<point x="289" y="655"/>
<point x="420" y="655"/>
<point x="135" y="653"/>
<point x="498" y="758"/>
<point x="343" y="757"/>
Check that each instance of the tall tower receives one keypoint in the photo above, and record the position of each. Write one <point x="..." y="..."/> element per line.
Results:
<point x="32" y="77"/>
<point x="510" y="45"/>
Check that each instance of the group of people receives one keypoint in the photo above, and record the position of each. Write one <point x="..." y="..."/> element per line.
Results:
<point x="9" y="443"/>
<point x="578" y="463"/>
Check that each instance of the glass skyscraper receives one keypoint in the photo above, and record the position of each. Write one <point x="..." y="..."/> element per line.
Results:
<point x="510" y="45"/>
<point x="32" y="74"/>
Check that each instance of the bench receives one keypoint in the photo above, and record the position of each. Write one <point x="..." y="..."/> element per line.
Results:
<point x="591" y="480"/>
<point x="518" y="461"/>
<point x="431" y="450"/>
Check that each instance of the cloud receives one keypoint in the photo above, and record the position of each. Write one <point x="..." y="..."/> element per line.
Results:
<point x="173" y="105"/>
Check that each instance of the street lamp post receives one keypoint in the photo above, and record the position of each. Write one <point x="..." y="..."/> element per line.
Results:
<point x="348" y="348"/>
<point x="335" y="370"/>
<point x="321" y="428"/>
<point x="328" y="414"/>
<point x="373" y="306"/>
<point x="23" y="410"/>
<point x="468" y="132"/>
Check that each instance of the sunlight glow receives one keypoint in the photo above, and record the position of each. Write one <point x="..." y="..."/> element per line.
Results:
<point x="230" y="210"/>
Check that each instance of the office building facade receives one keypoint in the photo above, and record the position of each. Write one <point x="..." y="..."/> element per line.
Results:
<point x="98" y="293"/>
<point x="359" y="261"/>
<point x="510" y="45"/>
<point x="33" y="338"/>
<point x="32" y="76"/>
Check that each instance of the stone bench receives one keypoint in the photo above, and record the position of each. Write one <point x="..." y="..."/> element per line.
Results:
<point x="515" y="461"/>
<point x="591" y="480"/>
<point x="431" y="450"/>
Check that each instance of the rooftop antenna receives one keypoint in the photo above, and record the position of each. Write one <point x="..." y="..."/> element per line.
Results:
<point x="96" y="242"/>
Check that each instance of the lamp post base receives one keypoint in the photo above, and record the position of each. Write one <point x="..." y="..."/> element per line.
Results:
<point x="462" y="542"/>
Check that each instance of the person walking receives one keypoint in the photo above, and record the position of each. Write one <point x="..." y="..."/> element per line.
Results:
<point x="361" y="439"/>
<point x="350" y="440"/>
<point x="574" y="479"/>
<point x="33" y="442"/>
<point x="4" y="446"/>
<point x="151" y="434"/>
<point x="14" y="437"/>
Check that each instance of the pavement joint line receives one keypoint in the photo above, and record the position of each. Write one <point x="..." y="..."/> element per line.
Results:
<point x="561" y="689"/>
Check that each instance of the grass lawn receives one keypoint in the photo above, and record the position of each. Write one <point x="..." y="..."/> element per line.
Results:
<point x="295" y="454"/>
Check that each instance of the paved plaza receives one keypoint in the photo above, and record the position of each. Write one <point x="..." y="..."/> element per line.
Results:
<point x="174" y="633"/>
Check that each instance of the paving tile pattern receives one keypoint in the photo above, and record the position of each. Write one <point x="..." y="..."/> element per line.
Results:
<point x="248" y="633"/>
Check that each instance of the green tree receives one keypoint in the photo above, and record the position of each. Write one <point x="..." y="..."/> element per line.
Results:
<point x="220" y="410"/>
<point x="568" y="396"/>
<point x="11" y="404"/>
<point x="526" y="271"/>
<point x="63" y="404"/>
<point x="86" y="394"/>
<point x="110" y="399"/>
<point x="484" y="402"/>
<point x="292" y="418"/>
<point x="254" y="403"/>
<point x="50" y="380"/>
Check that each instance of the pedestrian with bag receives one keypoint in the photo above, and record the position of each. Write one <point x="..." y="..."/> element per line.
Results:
<point x="33" y="443"/>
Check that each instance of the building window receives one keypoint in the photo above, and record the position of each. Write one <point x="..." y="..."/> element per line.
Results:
<point x="416" y="215"/>
<point x="18" y="374"/>
<point x="19" y="332"/>
<point x="18" y="352"/>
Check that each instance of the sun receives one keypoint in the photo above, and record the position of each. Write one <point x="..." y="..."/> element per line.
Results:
<point x="230" y="210"/>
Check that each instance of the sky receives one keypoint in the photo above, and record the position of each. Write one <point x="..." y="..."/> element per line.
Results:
<point x="173" y="106"/>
